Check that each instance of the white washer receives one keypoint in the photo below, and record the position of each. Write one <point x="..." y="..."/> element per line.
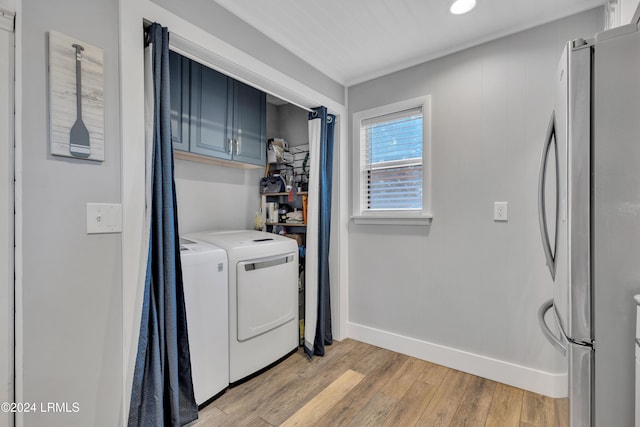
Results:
<point x="205" y="278"/>
<point x="263" y="297"/>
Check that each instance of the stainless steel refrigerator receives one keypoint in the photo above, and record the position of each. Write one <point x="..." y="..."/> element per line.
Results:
<point x="589" y="210"/>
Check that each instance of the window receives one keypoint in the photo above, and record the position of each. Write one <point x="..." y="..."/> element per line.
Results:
<point x="391" y="168"/>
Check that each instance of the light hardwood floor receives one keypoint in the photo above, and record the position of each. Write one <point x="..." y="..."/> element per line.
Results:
<point x="358" y="384"/>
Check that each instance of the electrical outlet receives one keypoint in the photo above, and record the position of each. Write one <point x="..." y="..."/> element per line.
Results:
<point x="500" y="211"/>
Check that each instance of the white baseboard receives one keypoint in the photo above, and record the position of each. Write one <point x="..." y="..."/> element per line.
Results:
<point x="548" y="384"/>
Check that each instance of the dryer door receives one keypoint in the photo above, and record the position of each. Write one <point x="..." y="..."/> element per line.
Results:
<point x="267" y="291"/>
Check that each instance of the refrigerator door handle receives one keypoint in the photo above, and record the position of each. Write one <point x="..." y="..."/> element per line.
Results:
<point x="542" y="209"/>
<point x="557" y="342"/>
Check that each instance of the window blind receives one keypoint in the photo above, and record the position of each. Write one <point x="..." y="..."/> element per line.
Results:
<point x="391" y="161"/>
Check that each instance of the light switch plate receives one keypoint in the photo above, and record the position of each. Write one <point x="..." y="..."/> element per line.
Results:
<point x="500" y="211"/>
<point x="104" y="218"/>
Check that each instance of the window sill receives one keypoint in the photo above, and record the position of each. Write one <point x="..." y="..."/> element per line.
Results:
<point x="421" y="220"/>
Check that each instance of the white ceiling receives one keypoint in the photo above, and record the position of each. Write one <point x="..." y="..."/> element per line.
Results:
<point x="355" y="40"/>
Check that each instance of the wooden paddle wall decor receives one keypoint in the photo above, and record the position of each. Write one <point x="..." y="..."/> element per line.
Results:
<point x="76" y="98"/>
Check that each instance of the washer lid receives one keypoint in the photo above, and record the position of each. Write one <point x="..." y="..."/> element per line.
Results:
<point x="240" y="238"/>
<point x="190" y="246"/>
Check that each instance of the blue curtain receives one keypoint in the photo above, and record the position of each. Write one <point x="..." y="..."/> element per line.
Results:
<point x="162" y="393"/>
<point x="323" y="332"/>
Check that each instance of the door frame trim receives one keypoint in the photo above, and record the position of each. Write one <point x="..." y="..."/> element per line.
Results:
<point x="7" y="221"/>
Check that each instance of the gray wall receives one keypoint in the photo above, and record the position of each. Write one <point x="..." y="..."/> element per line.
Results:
<point x="294" y="125"/>
<point x="71" y="284"/>
<point x="216" y="20"/>
<point x="288" y="122"/>
<point x="273" y="121"/>
<point x="467" y="282"/>
<point x="215" y="197"/>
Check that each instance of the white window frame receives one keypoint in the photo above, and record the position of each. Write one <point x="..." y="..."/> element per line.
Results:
<point x="393" y="216"/>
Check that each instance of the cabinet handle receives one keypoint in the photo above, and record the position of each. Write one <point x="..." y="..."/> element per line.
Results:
<point x="238" y="142"/>
<point x="230" y="142"/>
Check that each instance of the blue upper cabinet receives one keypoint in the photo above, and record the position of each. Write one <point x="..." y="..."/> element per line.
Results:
<point x="211" y="112"/>
<point x="179" y="72"/>
<point x="225" y="119"/>
<point x="249" y="124"/>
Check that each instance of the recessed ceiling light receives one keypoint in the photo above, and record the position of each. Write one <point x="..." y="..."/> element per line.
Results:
<point x="458" y="7"/>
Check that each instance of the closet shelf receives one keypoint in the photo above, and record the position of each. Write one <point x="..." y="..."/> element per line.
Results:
<point x="302" y="193"/>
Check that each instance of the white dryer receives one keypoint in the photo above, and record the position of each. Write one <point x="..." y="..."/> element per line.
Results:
<point x="205" y="279"/>
<point x="263" y="297"/>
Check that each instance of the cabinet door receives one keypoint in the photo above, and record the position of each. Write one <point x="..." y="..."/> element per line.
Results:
<point x="179" y="84"/>
<point x="249" y="124"/>
<point x="211" y="112"/>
